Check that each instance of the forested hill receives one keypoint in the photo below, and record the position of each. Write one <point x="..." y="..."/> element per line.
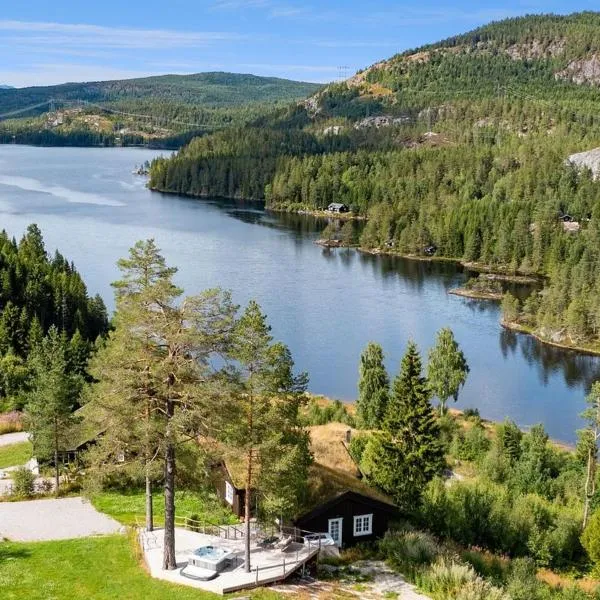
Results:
<point x="461" y="146"/>
<point x="136" y="111"/>
<point x="209" y="89"/>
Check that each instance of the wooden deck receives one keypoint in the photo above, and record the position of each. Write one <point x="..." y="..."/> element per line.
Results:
<point x="268" y="565"/>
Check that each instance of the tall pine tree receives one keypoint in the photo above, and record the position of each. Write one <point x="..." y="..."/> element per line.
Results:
<point x="407" y="453"/>
<point x="373" y="387"/>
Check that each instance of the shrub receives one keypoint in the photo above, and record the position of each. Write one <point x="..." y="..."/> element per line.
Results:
<point x="479" y="589"/>
<point x="591" y="540"/>
<point x="409" y="548"/>
<point x="470" y="413"/>
<point x="23" y="482"/>
<point x="356" y="447"/>
<point x="471" y="445"/>
<point x="486" y="564"/>
<point x="446" y="578"/>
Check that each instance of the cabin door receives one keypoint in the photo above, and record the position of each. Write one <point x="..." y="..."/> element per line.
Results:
<point x="335" y="531"/>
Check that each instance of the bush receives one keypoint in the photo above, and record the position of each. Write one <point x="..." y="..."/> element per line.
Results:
<point x="480" y="589"/>
<point x="522" y="583"/>
<point x="446" y="578"/>
<point x="591" y="540"/>
<point x="317" y="413"/>
<point x="409" y="549"/>
<point x="356" y="447"/>
<point x="23" y="482"/>
<point x="471" y="413"/>
<point x="471" y="445"/>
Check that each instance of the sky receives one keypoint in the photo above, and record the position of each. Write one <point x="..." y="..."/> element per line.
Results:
<point x="44" y="43"/>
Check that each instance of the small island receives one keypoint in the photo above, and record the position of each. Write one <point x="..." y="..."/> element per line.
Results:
<point x="484" y="287"/>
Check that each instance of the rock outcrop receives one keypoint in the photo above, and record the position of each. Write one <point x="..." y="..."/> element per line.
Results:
<point x="587" y="160"/>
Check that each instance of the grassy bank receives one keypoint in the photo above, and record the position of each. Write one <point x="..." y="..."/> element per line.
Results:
<point x="102" y="568"/>
<point x="15" y="454"/>
<point x="124" y="506"/>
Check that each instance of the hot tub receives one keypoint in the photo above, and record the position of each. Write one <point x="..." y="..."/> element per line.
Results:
<point x="211" y="558"/>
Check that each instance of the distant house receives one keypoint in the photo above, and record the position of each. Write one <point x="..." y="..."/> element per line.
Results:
<point x="566" y="218"/>
<point x="571" y="226"/>
<point x="336" y="207"/>
<point x="337" y="502"/>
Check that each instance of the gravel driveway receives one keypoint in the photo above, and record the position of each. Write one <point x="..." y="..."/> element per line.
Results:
<point x="13" y="438"/>
<point x="60" y="519"/>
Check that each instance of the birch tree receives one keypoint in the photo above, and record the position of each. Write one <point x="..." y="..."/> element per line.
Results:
<point x="588" y="443"/>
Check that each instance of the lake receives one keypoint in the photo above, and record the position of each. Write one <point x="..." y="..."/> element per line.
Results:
<point x="325" y="304"/>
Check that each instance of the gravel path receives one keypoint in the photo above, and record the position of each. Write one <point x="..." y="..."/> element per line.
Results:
<point x="60" y="519"/>
<point x="13" y="438"/>
<point x="382" y="583"/>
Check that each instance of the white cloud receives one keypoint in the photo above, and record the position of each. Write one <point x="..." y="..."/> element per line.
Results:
<point x="42" y="34"/>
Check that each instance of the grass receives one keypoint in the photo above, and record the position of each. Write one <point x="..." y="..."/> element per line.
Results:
<point x="124" y="506"/>
<point x="15" y="454"/>
<point x="103" y="568"/>
<point x="11" y="422"/>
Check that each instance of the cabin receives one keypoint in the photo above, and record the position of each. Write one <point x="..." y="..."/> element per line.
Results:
<point x="349" y="518"/>
<point x="230" y="488"/>
<point x="337" y="501"/>
<point x="85" y="433"/>
<point x="337" y="207"/>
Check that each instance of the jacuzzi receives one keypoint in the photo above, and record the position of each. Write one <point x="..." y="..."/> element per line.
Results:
<point x="211" y="558"/>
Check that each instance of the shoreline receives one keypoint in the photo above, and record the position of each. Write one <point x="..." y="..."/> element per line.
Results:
<point x="497" y="273"/>
<point x="476" y="295"/>
<point x="519" y="328"/>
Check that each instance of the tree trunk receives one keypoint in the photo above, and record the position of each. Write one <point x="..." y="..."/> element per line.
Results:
<point x="247" y="513"/>
<point x="56" y="471"/>
<point x="149" y="513"/>
<point x="56" y="468"/>
<point x="590" y="481"/>
<point x="169" y="562"/>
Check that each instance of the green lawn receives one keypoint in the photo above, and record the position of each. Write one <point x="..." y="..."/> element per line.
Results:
<point x="15" y="454"/>
<point x="102" y="568"/>
<point x="124" y="506"/>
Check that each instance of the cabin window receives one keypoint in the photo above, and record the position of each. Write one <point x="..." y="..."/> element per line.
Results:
<point x="228" y="492"/>
<point x="363" y="525"/>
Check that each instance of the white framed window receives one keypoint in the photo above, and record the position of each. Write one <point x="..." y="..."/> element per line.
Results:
<point x="363" y="525"/>
<point x="228" y="492"/>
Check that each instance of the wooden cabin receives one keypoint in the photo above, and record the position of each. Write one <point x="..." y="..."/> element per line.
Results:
<point x="349" y="518"/>
<point x="230" y="489"/>
<point x="337" y="207"/>
<point x="337" y="501"/>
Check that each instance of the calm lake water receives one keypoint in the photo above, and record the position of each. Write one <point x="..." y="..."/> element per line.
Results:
<point x="326" y="305"/>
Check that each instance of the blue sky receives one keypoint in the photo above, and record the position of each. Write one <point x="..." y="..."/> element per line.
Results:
<point x="45" y="42"/>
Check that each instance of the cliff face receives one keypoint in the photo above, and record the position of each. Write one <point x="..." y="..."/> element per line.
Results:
<point x="588" y="160"/>
<point x="585" y="70"/>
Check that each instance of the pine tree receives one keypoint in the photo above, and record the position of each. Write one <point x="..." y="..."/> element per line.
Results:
<point x="447" y="369"/>
<point x="408" y="453"/>
<point x="157" y="383"/>
<point x="373" y="387"/>
<point x="265" y="423"/>
<point x="54" y="396"/>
